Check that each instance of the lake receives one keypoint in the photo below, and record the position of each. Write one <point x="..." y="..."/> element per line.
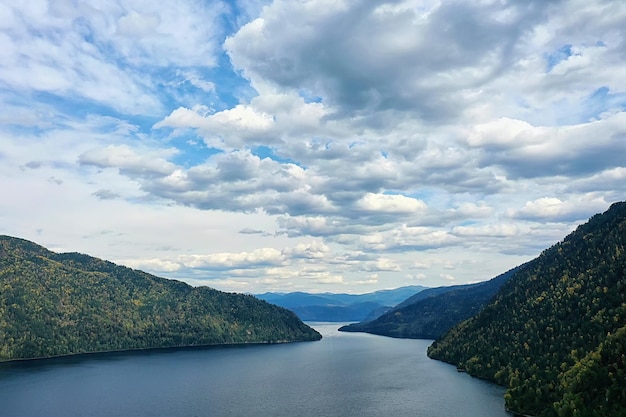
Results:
<point x="344" y="374"/>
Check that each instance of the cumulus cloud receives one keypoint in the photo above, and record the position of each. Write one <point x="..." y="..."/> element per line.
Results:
<point x="505" y="133"/>
<point x="371" y="57"/>
<point x="611" y="181"/>
<point x="326" y="278"/>
<point x="239" y="181"/>
<point x="312" y="144"/>
<point x="398" y="204"/>
<point x="314" y="250"/>
<point x="447" y="277"/>
<point x="497" y="230"/>
<point x="472" y="210"/>
<point x="371" y="279"/>
<point x="416" y="277"/>
<point x="231" y="128"/>
<point x="381" y="264"/>
<point x="131" y="162"/>
<point x="242" y="260"/>
<point x="407" y="238"/>
<point x="553" y="209"/>
<point x="523" y="150"/>
<point x="158" y="265"/>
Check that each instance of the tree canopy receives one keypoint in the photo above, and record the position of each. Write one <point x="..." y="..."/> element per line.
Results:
<point x="60" y="304"/>
<point x="554" y="333"/>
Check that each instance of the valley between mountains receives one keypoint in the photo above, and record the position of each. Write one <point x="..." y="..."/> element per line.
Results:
<point x="552" y="331"/>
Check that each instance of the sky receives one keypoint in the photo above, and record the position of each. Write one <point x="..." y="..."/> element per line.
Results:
<point x="316" y="145"/>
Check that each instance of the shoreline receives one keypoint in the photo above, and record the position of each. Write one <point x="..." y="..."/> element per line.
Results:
<point x="148" y="350"/>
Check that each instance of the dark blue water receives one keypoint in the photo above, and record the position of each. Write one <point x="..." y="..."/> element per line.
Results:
<point x="345" y="374"/>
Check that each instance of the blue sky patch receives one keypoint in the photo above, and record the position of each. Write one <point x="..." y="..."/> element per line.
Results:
<point x="601" y="101"/>
<point x="192" y="151"/>
<point x="557" y="56"/>
<point x="309" y="97"/>
<point x="267" y="152"/>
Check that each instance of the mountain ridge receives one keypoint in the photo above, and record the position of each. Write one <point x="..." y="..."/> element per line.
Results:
<point x="61" y="304"/>
<point x="340" y="307"/>
<point x="555" y="326"/>
<point x="430" y="313"/>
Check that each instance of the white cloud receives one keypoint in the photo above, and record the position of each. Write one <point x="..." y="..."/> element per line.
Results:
<point x="611" y="182"/>
<point x="478" y="209"/>
<point x="140" y="163"/>
<point x="313" y="250"/>
<point x="529" y="151"/>
<point x="553" y="209"/>
<point x="230" y="128"/>
<point x="310" y="145"/>
<point x="416" y="277"/>
<point x="503" y="132"/>
<point x="390" y="204"/>
<point x="372" y="279"/>
<point x="382" y="264"/>
<point x="325" y="278"/>
<point x="418" y="57"/>
<point x="156" y="265"/>
<point x="448" y="277"/>
<point x="495" y="230"/>
<point x="262" y="256"/>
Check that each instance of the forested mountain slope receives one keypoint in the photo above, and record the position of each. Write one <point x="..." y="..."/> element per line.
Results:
<point x="554" y="334"/>
<point x="59" y="304"/>
<point x="596" y="384"/>
<point x="432" y="312"/>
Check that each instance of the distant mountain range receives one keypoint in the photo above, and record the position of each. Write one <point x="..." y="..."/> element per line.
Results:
<point x="432" y="312"/>
<point x="60" y="304"/>
<point x="341" y="307"/>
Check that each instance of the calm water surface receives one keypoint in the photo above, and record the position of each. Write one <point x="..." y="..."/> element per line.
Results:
<point x="344" y="374"/>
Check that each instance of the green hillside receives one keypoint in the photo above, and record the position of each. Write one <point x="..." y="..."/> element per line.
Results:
<point x="596" y="385"/>
<point x="554" y="334"/>
<point x="60" y="304"/>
